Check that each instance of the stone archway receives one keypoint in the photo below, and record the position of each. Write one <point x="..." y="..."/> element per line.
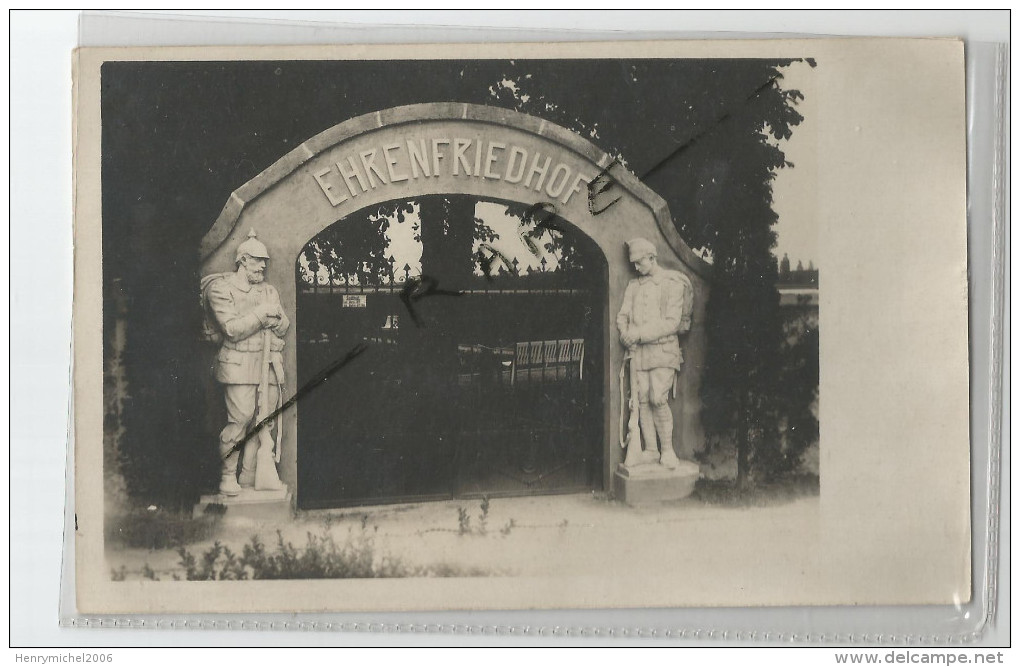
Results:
<point x="484" y="152"/>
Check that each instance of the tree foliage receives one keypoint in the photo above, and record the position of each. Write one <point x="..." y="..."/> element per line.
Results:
<point x="798" y="394"/>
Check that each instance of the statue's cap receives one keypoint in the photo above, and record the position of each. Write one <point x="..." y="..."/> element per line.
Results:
<point x="252" y="246"/>
<point x="639" y="248"/>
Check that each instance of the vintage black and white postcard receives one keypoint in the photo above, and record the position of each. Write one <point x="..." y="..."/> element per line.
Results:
<point x="634" y="324"/>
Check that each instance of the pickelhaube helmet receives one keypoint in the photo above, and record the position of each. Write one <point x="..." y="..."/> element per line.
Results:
<point x="640" y="248"/>
<point x="253" y="247"/>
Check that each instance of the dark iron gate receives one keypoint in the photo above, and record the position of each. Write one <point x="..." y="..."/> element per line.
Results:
<point x="482" y="385"/>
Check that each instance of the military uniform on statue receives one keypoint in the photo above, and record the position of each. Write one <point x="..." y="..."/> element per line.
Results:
<point x="656" y="309"/>
<point x="244" y="314"/>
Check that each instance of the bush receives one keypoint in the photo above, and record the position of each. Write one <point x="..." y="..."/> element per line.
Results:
<point x="464" y="526"/>
<point x="320" y="558"/>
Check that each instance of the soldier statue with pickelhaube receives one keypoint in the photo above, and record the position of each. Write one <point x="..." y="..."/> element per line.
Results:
<point x="245" y="317"/>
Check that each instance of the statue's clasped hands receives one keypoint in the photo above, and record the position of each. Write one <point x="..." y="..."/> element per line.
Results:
<point x="269" y="313"/>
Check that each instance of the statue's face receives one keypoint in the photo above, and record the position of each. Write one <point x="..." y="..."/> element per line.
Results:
<point x="254" y="268"/>
<point x="644" y="265"/>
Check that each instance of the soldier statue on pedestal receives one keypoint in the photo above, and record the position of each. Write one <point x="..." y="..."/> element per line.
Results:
<point x="656" y="308"/>
<point x="245" y="316"/>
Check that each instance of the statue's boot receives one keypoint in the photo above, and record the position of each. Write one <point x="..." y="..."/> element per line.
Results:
<point x="247" y="476"/>
<point x="650" y="454"/>
<point x="664" y="427"/>
<point x="228" y="478"/>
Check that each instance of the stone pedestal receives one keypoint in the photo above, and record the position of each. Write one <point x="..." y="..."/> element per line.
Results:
<point x="651" y="484"/>
<point x="249" y="504"/>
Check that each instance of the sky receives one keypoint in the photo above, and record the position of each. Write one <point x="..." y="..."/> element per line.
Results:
<point x="794" y="190"/>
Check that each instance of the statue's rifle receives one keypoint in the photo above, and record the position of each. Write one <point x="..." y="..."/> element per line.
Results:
<point x="633" y="439"/>
<point x="266" y="476"/>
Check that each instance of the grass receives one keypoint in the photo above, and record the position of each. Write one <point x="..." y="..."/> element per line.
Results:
<point x="156" y="528"/>
<point x="726" y="493"/>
